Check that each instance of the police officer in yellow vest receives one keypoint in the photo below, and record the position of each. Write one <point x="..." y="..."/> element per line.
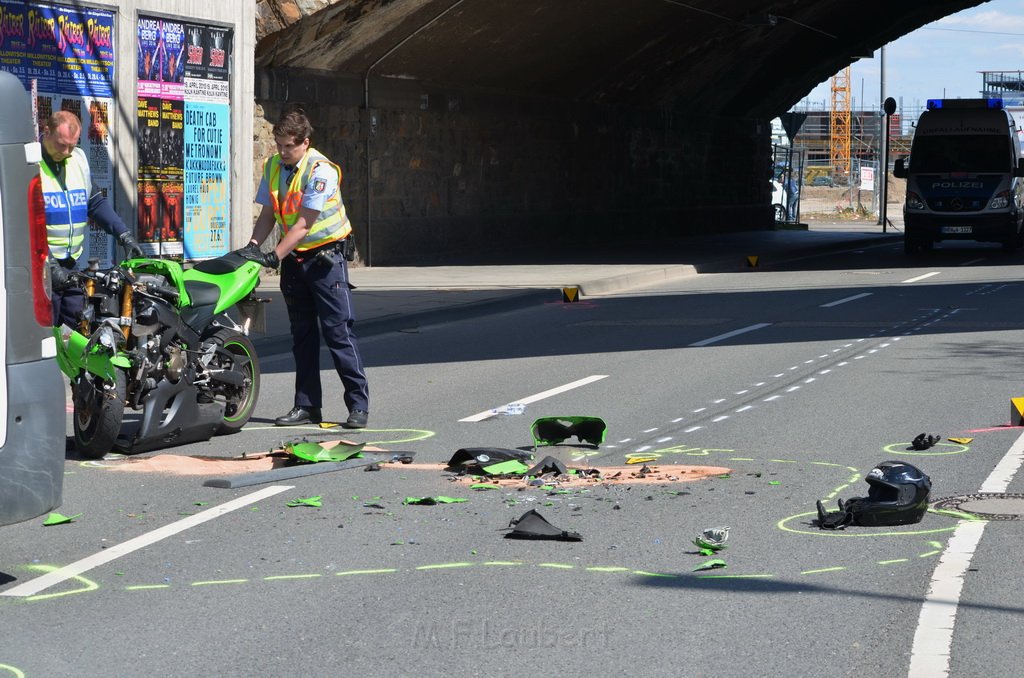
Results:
<point x="71" y="200"/>
<point x="300" y="193"/>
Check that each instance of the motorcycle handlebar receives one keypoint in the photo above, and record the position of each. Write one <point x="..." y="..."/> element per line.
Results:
<point x="164" y="291"/>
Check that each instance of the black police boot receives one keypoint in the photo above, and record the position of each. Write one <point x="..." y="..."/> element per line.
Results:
<point x="356" y="419"/>
<point x="299" y="415"/>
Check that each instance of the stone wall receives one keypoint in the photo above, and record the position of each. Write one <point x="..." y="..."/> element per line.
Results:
<point x="460" y="176"/>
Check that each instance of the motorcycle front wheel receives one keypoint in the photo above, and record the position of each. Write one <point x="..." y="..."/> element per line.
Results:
<point x="99" y="410"/>
<point x="238" y="356"/>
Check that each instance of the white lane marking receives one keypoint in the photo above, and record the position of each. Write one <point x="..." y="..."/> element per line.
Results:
<point x="771" y="398"/>
<point x="745" y="408"/>
<point x="76" y="568"/>
<point x="972" y="261"/>
<point x="920" y="277"/>
<point x="933" y="639"/>
<point x="480" y="416"/>
<point x="692" y="429"/>
<point x="846" y="299"/>
<point x="730" y="335"/>
<point x="720" y="418"/>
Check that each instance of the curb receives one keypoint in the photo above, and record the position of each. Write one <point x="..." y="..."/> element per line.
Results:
<point x="627" y="281"/>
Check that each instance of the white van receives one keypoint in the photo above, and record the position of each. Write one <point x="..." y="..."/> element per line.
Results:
<point x="32" y="411"/>
<point x="964" y="176"/>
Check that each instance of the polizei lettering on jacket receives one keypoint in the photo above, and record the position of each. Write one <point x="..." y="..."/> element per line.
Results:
<point x="75" y="199"/>
<point x="958" y="184"/>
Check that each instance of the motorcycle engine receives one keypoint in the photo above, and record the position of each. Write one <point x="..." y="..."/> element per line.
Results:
<point x="175" y="363"/>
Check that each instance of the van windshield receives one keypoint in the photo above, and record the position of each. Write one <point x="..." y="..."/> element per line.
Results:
<point x="961" y="153"/>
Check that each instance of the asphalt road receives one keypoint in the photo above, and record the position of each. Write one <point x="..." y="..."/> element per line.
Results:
<point x="796" y="381"/>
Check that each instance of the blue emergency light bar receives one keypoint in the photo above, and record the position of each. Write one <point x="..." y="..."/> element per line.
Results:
<point x="995" y="103"/>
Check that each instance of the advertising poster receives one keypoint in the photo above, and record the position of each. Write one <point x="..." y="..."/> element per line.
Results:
<point x="69" y="52"/>
<point x="207" y="152"/>
<point x="184" y="180"/>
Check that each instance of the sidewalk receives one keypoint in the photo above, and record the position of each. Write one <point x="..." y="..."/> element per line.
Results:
<point x="389" y="299"/>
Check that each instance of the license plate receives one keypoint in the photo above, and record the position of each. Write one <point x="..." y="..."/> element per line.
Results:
<point x="957" y="229"/>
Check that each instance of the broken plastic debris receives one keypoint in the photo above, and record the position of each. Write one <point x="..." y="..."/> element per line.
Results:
<point x="554" y="430"/>
<point x="59" y="519"/>
<point x="640" y="460"/>
<point x="712" y="564"/>
<point x="510" y="466"/>
<point x="532" y="525"/>
<point x="305" y="501"/>
<point x="961" y="441"/>
<point x="712" y="538"/>
<point x="430" y="501"/>
<point x="484" y="486"/>
<point x="315" y="452"/>
<point x="548" y="465"/>
<point x="473" y="459"/>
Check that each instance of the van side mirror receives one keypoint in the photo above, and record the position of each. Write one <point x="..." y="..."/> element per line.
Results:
<point x="1018" y="171"/>
<point x="899" y="169"/>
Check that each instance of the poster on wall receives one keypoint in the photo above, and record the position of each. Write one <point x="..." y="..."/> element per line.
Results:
<point x="69" y="52"/>
<point x="187" y="185"/>
<point x="207" y="152"/>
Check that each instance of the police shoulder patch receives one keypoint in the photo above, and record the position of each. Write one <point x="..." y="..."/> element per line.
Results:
<point x="319" y="185"/>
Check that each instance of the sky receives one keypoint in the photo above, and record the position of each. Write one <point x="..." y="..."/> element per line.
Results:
<point x="941" y="59"/>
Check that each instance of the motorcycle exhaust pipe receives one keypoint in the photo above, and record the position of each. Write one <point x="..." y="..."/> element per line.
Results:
<point x="228" y="377"/>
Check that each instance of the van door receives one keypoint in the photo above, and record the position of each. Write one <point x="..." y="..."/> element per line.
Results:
<point x="32" y="411"/>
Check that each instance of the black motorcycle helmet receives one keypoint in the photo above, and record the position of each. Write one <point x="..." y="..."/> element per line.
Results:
<point x="898" y="495"/>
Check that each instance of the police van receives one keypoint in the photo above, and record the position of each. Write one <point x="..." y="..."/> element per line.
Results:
<point x="32" y="411"/>
<point x="963" y="176"/>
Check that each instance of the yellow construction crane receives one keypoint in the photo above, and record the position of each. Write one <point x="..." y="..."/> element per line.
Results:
<point x="839" y="128"/>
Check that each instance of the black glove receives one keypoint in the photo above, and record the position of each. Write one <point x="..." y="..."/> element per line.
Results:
<point x="60" y="277"/>
<point x="252" y="252"/>
<point x="834" y="520"/>
<point x="131" y="248"/>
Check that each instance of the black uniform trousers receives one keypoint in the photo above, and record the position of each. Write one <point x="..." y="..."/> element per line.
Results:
<point x="69" y="303"/>
<point x="319" y="301"/>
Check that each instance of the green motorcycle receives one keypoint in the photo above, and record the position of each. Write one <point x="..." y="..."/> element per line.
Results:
<point x="157" y="337"/>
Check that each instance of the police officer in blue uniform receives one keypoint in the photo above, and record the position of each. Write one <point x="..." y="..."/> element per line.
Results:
<point x="71" y="200"/>
<point x="301" y="196"/>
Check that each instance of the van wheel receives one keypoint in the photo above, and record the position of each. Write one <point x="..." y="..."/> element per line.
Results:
<point x="99" y="410"/>
<point x="780" y="213"/>
<point x="911" y="246"/>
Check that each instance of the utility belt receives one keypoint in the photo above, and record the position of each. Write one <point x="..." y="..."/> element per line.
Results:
<point x="346" y="247"/>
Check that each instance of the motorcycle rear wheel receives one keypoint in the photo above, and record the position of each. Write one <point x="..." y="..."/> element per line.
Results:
<point x="98" y="414"/>
<point x="239" y="402"/>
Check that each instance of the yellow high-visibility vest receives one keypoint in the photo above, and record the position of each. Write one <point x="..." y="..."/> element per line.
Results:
<point x="332" y="224"/>
<point x="67" y="211"/>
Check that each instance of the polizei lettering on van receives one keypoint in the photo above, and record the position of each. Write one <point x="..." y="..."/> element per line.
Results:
<point x="958" y="184"/>
<point x="962" y="128"/>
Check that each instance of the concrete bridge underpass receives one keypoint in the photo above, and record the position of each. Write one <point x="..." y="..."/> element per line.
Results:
<point x="475" y="128"/>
